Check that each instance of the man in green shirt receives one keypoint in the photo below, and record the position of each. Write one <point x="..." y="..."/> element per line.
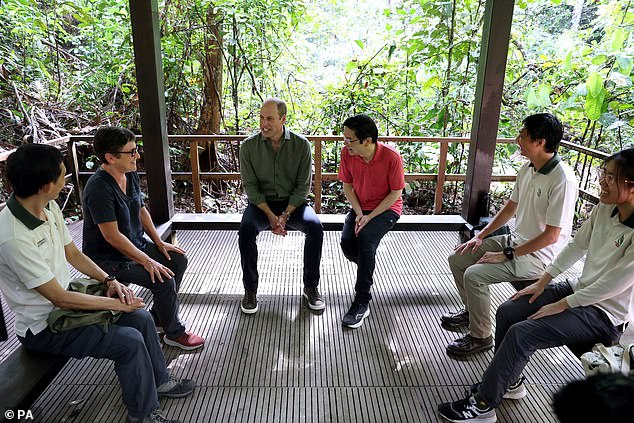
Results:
<point x="276" y="170"/>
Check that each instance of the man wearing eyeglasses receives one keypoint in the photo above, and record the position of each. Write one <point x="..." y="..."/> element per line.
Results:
<point x="373" y="180"/>
<point x="276" y="170"/>
<point x="543" y="201"/>
<point x="115" y="221"/>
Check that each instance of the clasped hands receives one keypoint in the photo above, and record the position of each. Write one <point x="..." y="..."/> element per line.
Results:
<point x="278" y="223"/>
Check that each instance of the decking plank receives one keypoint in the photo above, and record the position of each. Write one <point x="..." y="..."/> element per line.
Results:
<point x="287" y="363"/>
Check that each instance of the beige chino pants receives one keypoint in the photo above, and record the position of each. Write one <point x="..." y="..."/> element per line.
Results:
<point x="473" y="280"/>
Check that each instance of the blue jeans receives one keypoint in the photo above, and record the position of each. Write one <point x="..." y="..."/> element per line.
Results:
<point x="133" y="345"/>
<point x="516" y="338"/>
<point x="361" y="249"/>
<point x="165" y="294"/>
<point x="255" y="221"/>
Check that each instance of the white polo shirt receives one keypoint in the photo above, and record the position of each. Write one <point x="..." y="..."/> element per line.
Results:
<point x="545" y="197"/>
<point x="31" y="254"/>
<point x="607" y="279"/>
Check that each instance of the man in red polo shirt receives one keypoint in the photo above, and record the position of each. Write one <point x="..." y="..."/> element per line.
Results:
<point x="373" y="180"/>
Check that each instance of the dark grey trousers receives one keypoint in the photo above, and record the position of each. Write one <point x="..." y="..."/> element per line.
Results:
<point x="361" y="249"/>
<point x="516" y="338"/>
<point x="165" y="293"/>
<point x="133" y="345"/>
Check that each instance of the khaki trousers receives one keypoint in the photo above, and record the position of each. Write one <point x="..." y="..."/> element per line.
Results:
<point x="473" y="280"/>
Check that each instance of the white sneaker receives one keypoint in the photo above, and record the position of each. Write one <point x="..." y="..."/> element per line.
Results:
<point x="517" y="390"/>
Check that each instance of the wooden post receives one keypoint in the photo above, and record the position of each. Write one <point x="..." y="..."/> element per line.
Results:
<point x="496" y="32"/>
<point x="440" y="180"/>
<point x="149" y="75"/>
<point x="193" y="157"/>
<point x="318" y="176"/>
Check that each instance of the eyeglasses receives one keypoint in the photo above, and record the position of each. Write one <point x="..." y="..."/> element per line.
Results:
<point x="350" y="141"/>
<point x="610" y="178"/>
<point x="132" y="152"/>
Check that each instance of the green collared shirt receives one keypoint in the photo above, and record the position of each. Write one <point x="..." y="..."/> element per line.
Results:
<point x="276" y="176"/>
<point x="549" y="165"/>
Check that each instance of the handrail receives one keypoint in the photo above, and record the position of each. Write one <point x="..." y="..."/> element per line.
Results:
<point x="319" y="176"/>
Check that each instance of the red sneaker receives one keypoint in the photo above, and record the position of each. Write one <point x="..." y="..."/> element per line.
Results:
<point x="187" y="342"/>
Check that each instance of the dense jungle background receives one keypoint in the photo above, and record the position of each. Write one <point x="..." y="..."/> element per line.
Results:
<point x="67" y="67"/>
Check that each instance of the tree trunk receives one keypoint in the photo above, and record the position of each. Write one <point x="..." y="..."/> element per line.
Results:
<point x="210" y="109"/>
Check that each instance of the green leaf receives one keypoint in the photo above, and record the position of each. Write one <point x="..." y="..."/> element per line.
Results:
<point x="543" y="95"/>
<point x="351" y="65"/>
<point x="594" y="105"/>
<point x="531" y="98"/>
<point x="594" y="84"/>
<point x="568" y="61"/>
<point x="625" y="65"/>
<point x="618" y="38"/>
<point x="359" y="43"/>
<point x="600" y="59"/>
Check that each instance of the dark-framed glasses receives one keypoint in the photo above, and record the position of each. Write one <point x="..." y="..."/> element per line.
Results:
<point x="132" y="152"/>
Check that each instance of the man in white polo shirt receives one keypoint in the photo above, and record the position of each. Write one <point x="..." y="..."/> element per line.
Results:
<point x="35" y="247"/>
<point x="543" y="202"/>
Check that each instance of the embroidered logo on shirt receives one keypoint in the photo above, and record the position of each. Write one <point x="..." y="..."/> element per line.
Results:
<point x="41" y="242"/>
<point x="619" y="241"/>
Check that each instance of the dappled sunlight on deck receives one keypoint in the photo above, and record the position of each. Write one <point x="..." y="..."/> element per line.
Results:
<point x="289" y="364"/>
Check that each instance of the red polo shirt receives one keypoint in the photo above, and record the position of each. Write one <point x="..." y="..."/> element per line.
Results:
<point x="373" y="181"/>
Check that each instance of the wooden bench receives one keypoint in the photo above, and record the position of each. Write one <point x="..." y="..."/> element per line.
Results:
<point x="24" y="375"/>
<point x="331" y="222"/>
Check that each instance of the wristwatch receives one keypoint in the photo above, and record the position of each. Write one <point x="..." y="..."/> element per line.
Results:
<point x="286" y="214"/>
<point x="108" y="279"/>
<point x="509" y="252"/>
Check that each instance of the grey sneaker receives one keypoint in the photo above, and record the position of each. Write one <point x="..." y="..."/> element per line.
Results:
<point x="249" y="304"/>
<point x="468" y="345"/>
<point x="176" y="388"/>
<point x="155" y="417"/>
<point x="354" y="317"/>
<point x="314" y="298"/>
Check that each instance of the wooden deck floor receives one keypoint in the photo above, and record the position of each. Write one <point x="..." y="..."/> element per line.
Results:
<point x="288" y="364"/>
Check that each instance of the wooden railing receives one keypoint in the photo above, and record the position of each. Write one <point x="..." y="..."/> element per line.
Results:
<point x="196" y="176"/>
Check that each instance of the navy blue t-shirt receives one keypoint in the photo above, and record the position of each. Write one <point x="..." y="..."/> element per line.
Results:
<point x="105" y="202"/>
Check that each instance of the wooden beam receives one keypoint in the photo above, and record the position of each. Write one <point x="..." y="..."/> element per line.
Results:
<point x="496" y="32"/>
<point x="149" y="75"/>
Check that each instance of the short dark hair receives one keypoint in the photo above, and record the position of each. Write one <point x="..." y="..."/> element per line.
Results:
<point x="603" y="397"/>
<point x="624" y="161"/>
<point x="109" y="139"/>
<point x="281" y="105"/>
<point x="32" y="166"/>
<point x="545" y="126"/>
<point x="363" y="127"/>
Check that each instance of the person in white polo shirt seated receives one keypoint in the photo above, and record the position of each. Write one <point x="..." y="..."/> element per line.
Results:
<point x="593" y="308"/>
<point x="35" y="249"/>
<point x="543" y="201"/>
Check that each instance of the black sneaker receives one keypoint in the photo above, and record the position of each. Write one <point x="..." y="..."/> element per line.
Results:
<point x="456" y="320"/>
<point x="354" y="317"/>
<point x="311" y="293"/>
<point x="467" y="410"/>
<point x="249" y="304"/>
<point x="468" y="345"/>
